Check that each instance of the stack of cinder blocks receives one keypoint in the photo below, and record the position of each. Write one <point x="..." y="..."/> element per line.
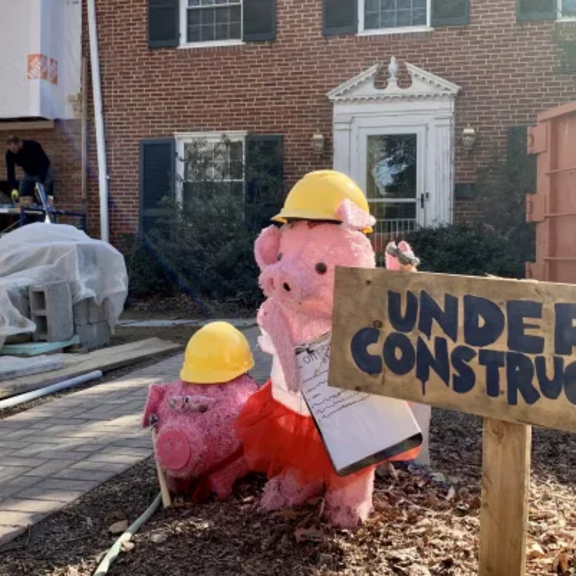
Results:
<point x="57" y="320"/>
<point x="91" y="323"/>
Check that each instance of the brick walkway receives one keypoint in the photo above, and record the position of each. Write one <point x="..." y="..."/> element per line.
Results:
<point x="55" y="453"/>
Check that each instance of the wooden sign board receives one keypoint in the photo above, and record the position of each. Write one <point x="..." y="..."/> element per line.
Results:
<point x="503" y="349"/>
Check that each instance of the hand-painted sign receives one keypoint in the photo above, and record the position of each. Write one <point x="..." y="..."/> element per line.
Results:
<point x="499" y="348"/>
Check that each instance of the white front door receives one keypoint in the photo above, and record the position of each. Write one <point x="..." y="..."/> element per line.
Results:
<point x="389" y="166"/>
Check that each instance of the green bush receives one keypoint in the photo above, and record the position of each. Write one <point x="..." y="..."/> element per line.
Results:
<point x="471" y="249"/>
<point x="204" y="245"/>
<point x="145" y="271"/>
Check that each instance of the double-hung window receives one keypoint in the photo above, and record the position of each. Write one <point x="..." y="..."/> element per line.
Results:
<point x="394" y="14"/>
<point x="213" y="21"/>
<point x="212" y="163"/>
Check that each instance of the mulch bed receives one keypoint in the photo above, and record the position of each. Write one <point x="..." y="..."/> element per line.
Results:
<point x="423" y="525"/>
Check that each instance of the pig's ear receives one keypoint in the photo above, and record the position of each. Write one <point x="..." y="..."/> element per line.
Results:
<point x="155" y="396"/>
<point x="353" y="217"/>
<point x="267" y="246"/>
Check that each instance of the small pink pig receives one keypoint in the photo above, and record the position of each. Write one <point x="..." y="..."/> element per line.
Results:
<point x="196" y="443"/>
<point x="298" y="263"/>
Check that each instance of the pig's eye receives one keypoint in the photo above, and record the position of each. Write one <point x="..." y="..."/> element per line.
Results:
<point x="321" y="268"/>
<point x="279" y="257"/>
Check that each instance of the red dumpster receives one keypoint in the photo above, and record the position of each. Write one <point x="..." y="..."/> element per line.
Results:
<point x="553" y="207"/>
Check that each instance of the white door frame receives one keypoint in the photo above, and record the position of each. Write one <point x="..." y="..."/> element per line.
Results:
<point x="426" y="106"/>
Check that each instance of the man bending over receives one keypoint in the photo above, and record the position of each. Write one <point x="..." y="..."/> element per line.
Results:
<point x="30" y="156"/>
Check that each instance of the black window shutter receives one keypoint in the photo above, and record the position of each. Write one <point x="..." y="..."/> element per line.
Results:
<point x="531" y="10"/>
<point x="339" y="17"/>
<point x="264" y="170"/>
<point x="163" y="23"/>
<point x="259" y="20"/>
<point x="450" y="13"/>
<point x="517" y="154"/>
<point x="157" y="179"/>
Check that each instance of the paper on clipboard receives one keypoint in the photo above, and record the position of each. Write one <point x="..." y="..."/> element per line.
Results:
<point x="357" y="429"/>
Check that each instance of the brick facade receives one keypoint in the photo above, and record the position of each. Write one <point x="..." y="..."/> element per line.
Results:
<point x="507" y="71"/>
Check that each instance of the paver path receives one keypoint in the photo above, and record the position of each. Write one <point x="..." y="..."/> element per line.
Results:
<point x="55" y="453"/>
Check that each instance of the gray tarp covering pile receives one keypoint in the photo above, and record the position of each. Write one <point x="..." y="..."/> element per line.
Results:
<point x="43" y="253"/>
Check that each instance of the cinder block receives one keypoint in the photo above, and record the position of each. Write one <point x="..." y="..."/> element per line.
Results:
<point x="81" y="313"/>
<point x="51" y="311"/>
<point x="88" y="312"/>
<point x="94" y="335"/>
<point x="97" y="313"/>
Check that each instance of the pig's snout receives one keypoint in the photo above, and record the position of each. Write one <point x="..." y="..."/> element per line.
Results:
<point x="281" y="284"/>
<point x="173" y="449"/>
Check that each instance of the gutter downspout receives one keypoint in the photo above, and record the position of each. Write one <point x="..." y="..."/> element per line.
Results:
<point x="99" y="121"/>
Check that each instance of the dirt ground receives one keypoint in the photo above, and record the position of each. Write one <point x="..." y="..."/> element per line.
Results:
<point x="421" y="525"/>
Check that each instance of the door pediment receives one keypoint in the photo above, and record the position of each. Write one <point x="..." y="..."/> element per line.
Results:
<point x="424" y="86"/>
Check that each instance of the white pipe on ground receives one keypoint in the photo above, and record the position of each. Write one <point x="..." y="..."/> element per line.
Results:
<point x="35" y="394"/>
<point x="99" y="121"/>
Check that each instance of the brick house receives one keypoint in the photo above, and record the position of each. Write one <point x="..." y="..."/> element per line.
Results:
<point x="314" y="85"/>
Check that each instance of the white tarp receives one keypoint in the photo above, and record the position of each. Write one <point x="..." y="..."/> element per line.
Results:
<point x="45" y="253"/>
<point x="40" y="58"/>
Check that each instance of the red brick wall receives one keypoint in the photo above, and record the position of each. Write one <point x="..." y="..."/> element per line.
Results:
<point x="507" y="71"/>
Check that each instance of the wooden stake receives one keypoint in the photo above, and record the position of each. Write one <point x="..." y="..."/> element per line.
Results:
<point x="166" y="499"/>
<point x="505" y="491"/>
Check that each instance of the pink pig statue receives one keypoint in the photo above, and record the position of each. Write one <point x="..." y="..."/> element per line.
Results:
<point x="196" y="439"/>
<point x="196" y="442"/>
<point x="297" y="265"/>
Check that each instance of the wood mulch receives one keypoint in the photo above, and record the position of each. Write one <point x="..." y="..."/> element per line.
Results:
<point x="422" y="525"/>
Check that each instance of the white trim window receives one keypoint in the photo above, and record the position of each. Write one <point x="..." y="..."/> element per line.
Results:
<point x="211" y="161"/>
<point x="208" y="22"/>
<point x="387" y="16"/>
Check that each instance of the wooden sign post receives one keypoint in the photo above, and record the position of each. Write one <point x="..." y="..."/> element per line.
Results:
<point x="501" y="349"/>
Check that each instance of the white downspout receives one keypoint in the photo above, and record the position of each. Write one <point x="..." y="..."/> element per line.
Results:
<point x="99" y="121"/>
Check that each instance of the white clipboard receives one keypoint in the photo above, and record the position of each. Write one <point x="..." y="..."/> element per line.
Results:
<point x="358" y="429"/>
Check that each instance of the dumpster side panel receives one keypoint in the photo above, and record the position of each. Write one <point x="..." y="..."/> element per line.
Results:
<point x="553" y="208"/>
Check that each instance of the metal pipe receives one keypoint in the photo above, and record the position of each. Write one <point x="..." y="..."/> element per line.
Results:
<point x="113" y="553"/>
<point x="35" y="394"/>
<point x="84" y="132"/>
<point x="99" y="121"/>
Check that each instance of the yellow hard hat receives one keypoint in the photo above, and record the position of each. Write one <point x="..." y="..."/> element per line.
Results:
<point x="217" y="353"/>
<point x="318" y="196"/>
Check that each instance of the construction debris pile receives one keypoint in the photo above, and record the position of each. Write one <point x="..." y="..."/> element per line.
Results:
<point x="58" y="288"/>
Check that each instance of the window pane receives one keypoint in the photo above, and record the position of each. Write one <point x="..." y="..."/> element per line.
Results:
<point x="235" y="31"/>
<point x="372" y="21"/>
<point x="419" y="17"/>
<point x="569" y="8"/>
<point x="395" y="13"/>
<point x="393" y="210"/>
<point x="235" y="14"/>
<point x="208" y="16"/>
<point x="404" y="18"/>
<point x="391" y="166"/>
<point x="221" y="32"/>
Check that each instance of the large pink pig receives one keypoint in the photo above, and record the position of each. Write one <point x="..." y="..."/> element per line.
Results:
<point x="196" y="443"/>
<point x="297" y="265"/>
